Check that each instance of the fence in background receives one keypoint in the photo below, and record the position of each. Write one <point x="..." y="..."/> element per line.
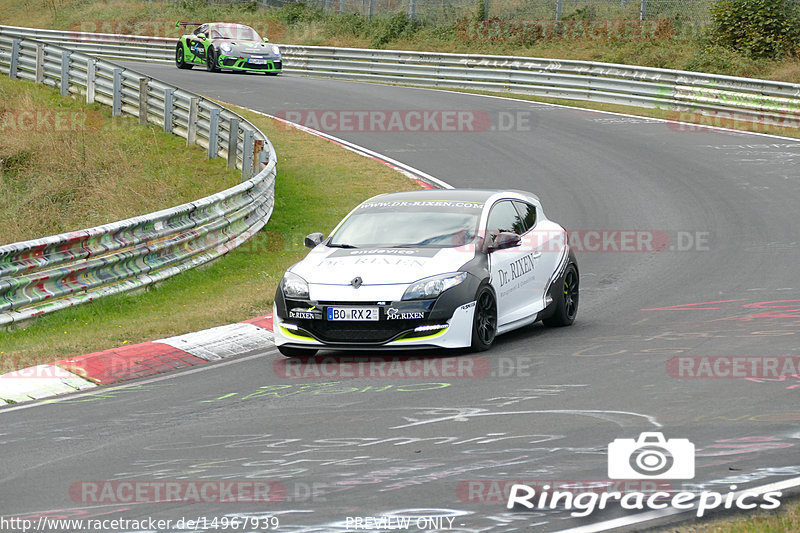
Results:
<point x="545" y="10"/>
<point x="44" y="275"/>
<point x="740" y="99"/>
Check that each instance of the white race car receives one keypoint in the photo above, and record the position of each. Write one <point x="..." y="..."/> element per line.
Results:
<point x="431" y="268"/>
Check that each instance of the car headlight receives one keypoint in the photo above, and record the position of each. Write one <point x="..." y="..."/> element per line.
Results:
<point x="294" y="286"/>
<point x="226" y="48"/>
<point x="433" y="286"/>
<point x="276" y="50"/>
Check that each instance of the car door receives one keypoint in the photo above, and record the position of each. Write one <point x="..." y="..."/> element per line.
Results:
<point x="539" y="247"/>
<point x="511" y="269"/>
<point x="197" y="46"/>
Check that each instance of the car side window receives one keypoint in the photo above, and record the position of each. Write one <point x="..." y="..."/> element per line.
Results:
<point x="504" y="217"/>
<point x="528" y="214"/>
<point x="201" y="29"/>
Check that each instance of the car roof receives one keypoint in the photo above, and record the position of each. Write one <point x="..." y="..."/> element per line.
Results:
<point x="469" y="195"/>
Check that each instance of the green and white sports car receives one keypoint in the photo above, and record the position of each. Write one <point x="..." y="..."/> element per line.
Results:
<point x="223" y="45"/>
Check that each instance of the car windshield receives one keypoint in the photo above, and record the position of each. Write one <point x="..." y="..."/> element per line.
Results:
<point x="234" y="32"/>
<point x="432" y="224"/>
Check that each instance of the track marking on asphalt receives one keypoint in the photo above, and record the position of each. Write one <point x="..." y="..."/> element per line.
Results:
<point x="654" y="515"/>
<point x="171" y="375"/>
<point x="465" y="416"/>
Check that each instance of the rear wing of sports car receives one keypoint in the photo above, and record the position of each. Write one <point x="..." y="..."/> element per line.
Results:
<point x="180" y="23"/>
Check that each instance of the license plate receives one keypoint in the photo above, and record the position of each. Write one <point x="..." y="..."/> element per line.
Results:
<point x="353" y="313"/>
<point x="257" y="61"/>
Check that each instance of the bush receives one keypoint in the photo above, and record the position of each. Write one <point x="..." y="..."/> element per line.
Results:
<point x="298" y="12"/>
<point x="758" y="28"/>
<point x="392" y="28"/>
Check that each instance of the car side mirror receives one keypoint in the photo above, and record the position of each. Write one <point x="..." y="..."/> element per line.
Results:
<point x="266" y="40"/>
<point x="313" y="239"/>
<point x="504" y="240"/>
<point x="201" y="36"/>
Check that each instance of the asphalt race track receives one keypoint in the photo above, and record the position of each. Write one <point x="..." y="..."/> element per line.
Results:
<point x="552" y="400"/>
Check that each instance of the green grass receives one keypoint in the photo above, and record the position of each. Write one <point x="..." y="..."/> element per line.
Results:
<point x="667" y="41"/>
<point x="317" y="184"/>
<point x="784" y="520"/>
<point x="66" y="166"/>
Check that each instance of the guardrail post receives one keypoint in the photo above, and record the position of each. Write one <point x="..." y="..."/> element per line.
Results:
<point x="12" y="68"/>
<point x="213" y="134"/>
<point x="65" y="72"/>
<point x="371" y="7"/>
<point x="191" y="129"/>
<point x="485" y="9"/>
<point x="169" y="108"/>
<point x="247" y="161"/>
<point x="412" y="8"/>
<point x="143" y="84"/>
<point x="258" y="147"/>
<point x="91" y="77"/>
<point x="116" y="101"/>
<point x="643" y="10"/>
<point x="263" y="158"/>
<point x="558" y="10"/>
<point x="39" y="63"/>
<point x="341" y="6"/>
<point x="233" y="142"/>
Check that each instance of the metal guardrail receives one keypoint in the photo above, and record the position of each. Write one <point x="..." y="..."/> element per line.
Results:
<point x="742" y="99"/>
<point x="51" y="273"/>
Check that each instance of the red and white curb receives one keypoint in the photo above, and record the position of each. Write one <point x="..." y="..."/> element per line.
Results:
<point x="135" y="361"/>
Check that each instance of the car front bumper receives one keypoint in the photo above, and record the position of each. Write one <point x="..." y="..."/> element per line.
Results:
<point x="246" y="64"/>
<point x="443" y="322"/>
<point x="455" y="332"/>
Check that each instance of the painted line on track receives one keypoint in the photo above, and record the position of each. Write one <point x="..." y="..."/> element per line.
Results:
<point x="413" y="173"/>
<point x="549" y="104"/>
<point x="171" y="375"/>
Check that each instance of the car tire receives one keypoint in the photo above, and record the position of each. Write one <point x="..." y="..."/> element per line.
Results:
<point x="272" y="73"/>
<point x="302" y="353"/>
<point x="179" y="58"/>
<point x="484" y="320"/>
<point x="211" y="60"/>
<point x="566" y="300"/>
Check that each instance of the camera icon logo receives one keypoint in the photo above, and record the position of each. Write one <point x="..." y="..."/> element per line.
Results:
<point x="651" y="457"/>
